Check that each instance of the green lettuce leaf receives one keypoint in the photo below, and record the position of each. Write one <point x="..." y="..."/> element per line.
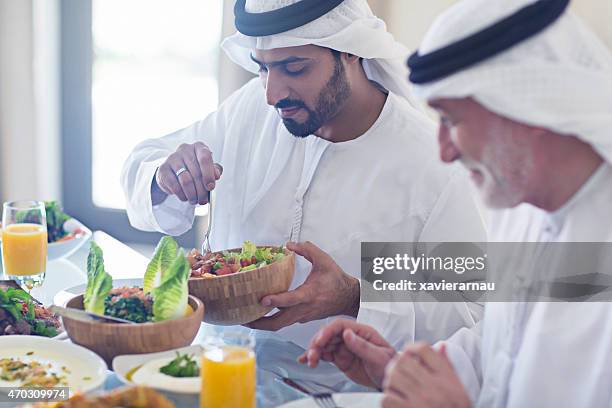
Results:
<point x="165" y="254"/>
<point x="263" y="254"/>
<point x="99" y="283"/>
<point x="55" y="221"/>
<point x="42" y="329"/>
<point x="171" y="296"/>
<point x="249" y="249"/>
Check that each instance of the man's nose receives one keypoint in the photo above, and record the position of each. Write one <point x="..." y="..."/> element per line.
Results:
<point x="448" y="151"/>
<point x="276" y="90"/>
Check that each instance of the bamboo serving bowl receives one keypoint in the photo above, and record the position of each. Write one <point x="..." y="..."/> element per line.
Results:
<point x="235" y="299"/>
<point x="109" y="340"/>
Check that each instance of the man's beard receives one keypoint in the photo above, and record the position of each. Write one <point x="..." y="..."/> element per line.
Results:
<point x="505" y="168"/>
<point x="329" y="102"/>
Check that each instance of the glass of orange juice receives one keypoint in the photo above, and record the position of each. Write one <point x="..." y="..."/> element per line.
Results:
<point x="24" y="242"/>
<point x="227" y="371"/>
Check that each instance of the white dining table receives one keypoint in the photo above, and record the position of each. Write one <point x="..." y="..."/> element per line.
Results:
<point x="275" y="356"/>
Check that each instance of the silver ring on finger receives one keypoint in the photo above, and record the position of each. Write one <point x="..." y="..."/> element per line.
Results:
<point x="180" y="171"/>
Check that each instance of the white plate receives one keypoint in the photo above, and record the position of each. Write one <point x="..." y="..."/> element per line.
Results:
<point x="58" y="250"/>
<point x="347" y="400"/>
<point x="87" y="371"/>
<point x="122" y="365"/>
<point x="62" y="297"/>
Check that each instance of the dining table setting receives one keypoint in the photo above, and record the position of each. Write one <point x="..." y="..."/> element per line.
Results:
<point x="86" y="319"/>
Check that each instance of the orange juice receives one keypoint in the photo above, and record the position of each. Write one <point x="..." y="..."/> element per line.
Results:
<point x="24" y="249"/>
<point x="228" y="378"/>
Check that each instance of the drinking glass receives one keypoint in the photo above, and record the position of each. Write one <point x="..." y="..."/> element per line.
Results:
<point x="24" y="242"/>
<point x="227" y="371"/>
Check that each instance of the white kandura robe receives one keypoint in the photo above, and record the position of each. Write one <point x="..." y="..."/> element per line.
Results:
<point x="386" y="185"/>
<point x="544" y="354"/>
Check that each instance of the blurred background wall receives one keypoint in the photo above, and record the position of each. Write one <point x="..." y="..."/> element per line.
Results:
<point x="408" y="20"/>
<point x="29" y="100"/>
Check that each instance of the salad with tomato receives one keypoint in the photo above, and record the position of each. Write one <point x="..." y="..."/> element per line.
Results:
<point x="223" y="263"/>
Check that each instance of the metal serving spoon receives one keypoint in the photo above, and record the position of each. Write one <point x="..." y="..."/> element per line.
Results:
<point x="82" y="315"/>
<point x="206" y="244"/>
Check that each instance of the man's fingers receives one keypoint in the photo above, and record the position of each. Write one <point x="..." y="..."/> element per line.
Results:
<point x="197" y="180"/>
<point x="186" y="181"/>
<point x="362" y="348"/>
<point x="407" y="374"/>
<point x="333" y="343"/>
<point x="299" y="249"/>
<point x="160" y="176"/>
<point x="186" y="154"/>
<point x="218" y="171"/>
<point x="313" y="356"/>
<point x="273" y="323"/>
<point x="168" y="181"/>
<point x="207" y="167"/>
<point x="306" y="249"/>
<point x="395" y="382"/>
<point x="392" y="400"/>
<point x="427" y="355"/>
<point x="412" y="370"/>
<point x="372" y="335"/>
<point x="328" y="332"/>
<point x="193" y="167"/>
<point x="325" y="341"/>
<point x="400" y="390"/>
<point x="444" y="354"/>
<point x="327" y="356"/>
<point x="288" y="299"/>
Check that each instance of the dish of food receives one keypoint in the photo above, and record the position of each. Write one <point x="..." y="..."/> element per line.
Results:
<point x="38" y="362"/>
<point x="21" y="314"/>
<point x="77" y="235"/>
<point x="164" y="294"/>
<point x="167" y="316"/>
<point x="175" y="371"/>
<point x="32" y="372"/>
<point x="55" y="222"/>
<point x="250" y="257"/>
<point x="232" y="283"/>
<point x="129" y="397"/>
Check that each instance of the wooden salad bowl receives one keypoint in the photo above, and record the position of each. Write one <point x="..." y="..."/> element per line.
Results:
<point x="109" y="340"/>
<point x="235" y="298"/>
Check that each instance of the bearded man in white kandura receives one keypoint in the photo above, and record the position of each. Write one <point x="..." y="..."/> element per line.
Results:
<point x="323" y="146"/>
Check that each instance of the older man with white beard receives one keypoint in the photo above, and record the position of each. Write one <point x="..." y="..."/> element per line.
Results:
<point x="323" y="146"/>
<point x="524" y="93"/>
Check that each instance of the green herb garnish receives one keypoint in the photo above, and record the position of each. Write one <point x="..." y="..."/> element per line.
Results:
<point x="131" y="308"/>
<point x="182" y="366"/>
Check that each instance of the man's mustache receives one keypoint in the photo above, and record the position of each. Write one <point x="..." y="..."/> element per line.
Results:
<point x="289" y="103"/>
